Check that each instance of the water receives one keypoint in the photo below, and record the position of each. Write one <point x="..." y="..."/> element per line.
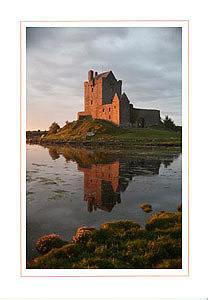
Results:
<point x="70" y="187"/>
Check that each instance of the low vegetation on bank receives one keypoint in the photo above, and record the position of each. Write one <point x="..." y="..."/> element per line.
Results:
<point x="121" y="244"/>
<point x="35" y="134"/>
<point x="94" y="131"/>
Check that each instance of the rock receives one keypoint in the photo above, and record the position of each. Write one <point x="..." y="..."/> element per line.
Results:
<point x="146" y="207"/>
<point x="91" y="133"/>
<point x="81" y="232"/>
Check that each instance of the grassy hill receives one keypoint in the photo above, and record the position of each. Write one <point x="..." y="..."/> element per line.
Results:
<point x="108" y="131"/>
<point x="79" y="129"/>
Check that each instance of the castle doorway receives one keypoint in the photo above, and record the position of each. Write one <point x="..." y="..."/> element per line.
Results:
<point x="140" y="122"/>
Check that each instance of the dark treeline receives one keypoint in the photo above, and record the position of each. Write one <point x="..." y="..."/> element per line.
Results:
<point x="35" y="133"/>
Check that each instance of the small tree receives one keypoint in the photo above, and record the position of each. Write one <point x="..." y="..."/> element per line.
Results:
<point x="169" y="123"/>
<point x="54" y="128"/>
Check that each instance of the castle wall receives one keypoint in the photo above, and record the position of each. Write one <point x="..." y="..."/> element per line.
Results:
<point x="93" y="96"/>
<point x="124" y="111"/>
<point x="110" y="87"/>
<point x="110" y="112"/>
<point x="144" y="117"/>
<point x="82" y="115"/>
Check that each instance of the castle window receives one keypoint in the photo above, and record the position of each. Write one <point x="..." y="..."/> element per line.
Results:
<point x="109" y="117"/>
<point x="91" y="102"/>
<point x="92" y="89"/>
<point x="103" y="109"/>
<point x="114" y="106"/>
<point x="109" y="109"/>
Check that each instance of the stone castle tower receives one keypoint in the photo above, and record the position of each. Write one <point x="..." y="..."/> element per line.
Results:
<point x="104" y="100"/>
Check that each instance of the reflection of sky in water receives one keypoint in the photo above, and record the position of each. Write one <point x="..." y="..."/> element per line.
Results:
<point x="56" y="190"/>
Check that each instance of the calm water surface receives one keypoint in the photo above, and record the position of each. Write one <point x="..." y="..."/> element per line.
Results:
<point x="68" y="188"/>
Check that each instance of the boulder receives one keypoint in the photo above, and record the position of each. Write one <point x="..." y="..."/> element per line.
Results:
<point x="89" y="133"/>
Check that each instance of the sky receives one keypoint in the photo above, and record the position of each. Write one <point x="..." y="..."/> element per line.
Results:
<point x="146" y="59"/>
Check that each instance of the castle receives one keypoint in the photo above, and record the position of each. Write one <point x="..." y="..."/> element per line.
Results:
<point x="104" y="100"/>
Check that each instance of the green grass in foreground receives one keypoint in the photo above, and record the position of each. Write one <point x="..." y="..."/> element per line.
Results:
<point x="106" y="130"/>
<point x="121" y="244"/>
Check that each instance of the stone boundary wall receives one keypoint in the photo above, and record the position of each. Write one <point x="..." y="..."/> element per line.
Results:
<point x="144" y="117"/>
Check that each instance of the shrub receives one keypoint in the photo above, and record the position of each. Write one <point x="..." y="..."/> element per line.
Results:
<point x="170" y="264"/>
<point x="169" y="124"/>
<point x="48" y="242"/>
<point x="163" y="221"/>
<point x="83" y="234"/>
<point x="120" y="225"/>
<point x="117" y="245"/>
<point x="54" y="128"/>
<point x="94" y="263"/>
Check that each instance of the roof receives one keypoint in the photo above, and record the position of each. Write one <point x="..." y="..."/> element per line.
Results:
<point x="103" y="75"/>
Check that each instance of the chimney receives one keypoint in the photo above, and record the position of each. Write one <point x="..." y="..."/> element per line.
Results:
<point x="90" y="75"/>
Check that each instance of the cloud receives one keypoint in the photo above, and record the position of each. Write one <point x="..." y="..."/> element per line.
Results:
<point x="148" y="60"/>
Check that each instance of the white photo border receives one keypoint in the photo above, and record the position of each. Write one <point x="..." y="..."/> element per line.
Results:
<point x="184" y="272"/>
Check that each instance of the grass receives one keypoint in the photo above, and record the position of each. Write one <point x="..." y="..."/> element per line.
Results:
<point x="107" y="131"/>
<point x="147" y="133"/>
<point x="118" y="245"/>
<point x="79" y="129"/>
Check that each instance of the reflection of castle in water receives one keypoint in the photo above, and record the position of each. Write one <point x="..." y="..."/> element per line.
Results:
<point x="101" y="184"/>
<point x="106" y="176"/>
